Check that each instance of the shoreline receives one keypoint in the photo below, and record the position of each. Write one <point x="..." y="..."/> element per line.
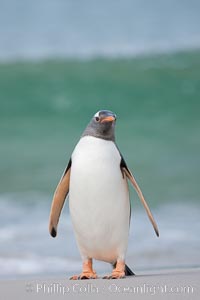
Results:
<point x="160" y="284"/>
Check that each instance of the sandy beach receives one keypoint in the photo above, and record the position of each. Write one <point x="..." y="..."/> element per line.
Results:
<point x="163" y="284"/>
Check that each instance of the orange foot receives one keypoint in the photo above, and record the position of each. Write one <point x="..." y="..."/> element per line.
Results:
<point x="118" y="272"/>
<point x="87" y="273"/>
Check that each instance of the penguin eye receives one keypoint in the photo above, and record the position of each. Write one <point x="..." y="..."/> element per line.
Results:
<point x="97" y="119"/>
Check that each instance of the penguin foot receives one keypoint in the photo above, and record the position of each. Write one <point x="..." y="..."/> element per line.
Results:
<point x="74" y="277"/>
<point x="84" y="275"/>
<point x="118" y="272"/>
<point x="115" y="275"/>
<point x="87" y="273"/>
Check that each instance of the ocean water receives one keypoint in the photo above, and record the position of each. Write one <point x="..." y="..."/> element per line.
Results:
<point x="142" y="62"/>
<point x="44" y="108"/>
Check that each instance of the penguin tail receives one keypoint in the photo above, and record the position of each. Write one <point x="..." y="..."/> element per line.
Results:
<point x="128" y="271"/>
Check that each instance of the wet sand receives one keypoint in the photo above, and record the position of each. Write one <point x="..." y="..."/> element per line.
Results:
<point x="162" y="284"/>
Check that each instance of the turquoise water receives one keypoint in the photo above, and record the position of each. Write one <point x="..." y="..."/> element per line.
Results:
<point x="45" y="106"/>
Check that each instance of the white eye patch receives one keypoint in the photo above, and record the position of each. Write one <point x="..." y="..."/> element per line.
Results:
<point x="97" y="114"/>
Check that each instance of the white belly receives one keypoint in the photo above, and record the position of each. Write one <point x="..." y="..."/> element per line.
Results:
<point x="99" y="200"/>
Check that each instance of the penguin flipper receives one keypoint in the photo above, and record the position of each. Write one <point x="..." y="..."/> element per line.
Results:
<point x="59" y="197"/>
<point x="130" y="176"/>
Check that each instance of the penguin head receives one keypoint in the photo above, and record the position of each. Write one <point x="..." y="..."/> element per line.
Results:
<point x="102" y="125"/>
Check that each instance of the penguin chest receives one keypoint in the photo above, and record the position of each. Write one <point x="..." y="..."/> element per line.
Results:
<point x="99" y="199"/>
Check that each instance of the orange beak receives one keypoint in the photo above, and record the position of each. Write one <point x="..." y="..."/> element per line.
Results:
<point x="108" y="119"/>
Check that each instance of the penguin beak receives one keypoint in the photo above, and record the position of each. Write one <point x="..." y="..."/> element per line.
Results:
<point x="108" y="119"/>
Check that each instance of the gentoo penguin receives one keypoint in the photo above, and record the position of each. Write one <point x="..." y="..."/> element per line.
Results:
<point x="96" y="181"/>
